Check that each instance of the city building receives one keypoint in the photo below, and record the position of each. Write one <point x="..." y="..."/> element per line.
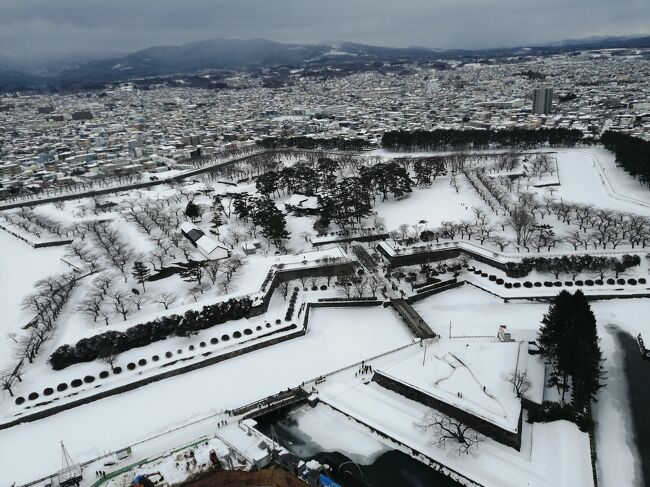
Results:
<point x="542" y="100"/>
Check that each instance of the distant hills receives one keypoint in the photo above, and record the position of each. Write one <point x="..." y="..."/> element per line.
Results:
<point x="236" y="54"/>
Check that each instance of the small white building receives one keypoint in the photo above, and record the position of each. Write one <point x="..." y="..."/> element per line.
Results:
<point x="504" y="335"/>
<point x="209" y="247"/>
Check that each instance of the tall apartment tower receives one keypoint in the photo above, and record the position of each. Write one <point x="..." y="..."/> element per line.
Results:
<point x="542" y="100"/>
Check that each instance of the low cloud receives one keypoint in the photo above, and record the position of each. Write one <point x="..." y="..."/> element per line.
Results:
<point x="46" y="27"/>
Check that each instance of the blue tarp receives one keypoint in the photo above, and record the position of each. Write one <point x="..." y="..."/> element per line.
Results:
<point x="325" y="481"/>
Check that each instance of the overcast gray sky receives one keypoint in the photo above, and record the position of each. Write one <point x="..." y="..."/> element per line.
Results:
<point x="61" y="26"/>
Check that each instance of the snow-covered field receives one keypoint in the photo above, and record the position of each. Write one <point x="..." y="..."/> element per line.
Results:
<point x="336" y="338"/>
<point x="473" y="312"/>
<point x="467" y="320"/>
<point x="21" y="266"/>
<point x="434" y="204"/>
<point x="581" y="182"/>
<point x="494" y="464"/>
<point x="468" y="376"/>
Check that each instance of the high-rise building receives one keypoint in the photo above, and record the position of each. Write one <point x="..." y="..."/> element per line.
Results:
<point x="542" y="100"/>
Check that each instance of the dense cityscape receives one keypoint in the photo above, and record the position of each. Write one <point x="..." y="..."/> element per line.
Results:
<point x="238" y="262"/>
<point x="60" y="139"/>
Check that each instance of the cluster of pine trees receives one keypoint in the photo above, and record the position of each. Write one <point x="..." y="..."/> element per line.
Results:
<point x="569" y="340"/>
<point x="302" y="142"/>
<point x="478" y="139"/>
<point x="632" y="153"/>
<point x="264" y="214"/>
<point x="344" y="200"/>
<point x="114" y="342"/>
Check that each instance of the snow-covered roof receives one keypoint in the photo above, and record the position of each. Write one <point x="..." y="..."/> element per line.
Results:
<point x="302" y="201"/>
<point x="206" y="244"/>
<point x="187" y="226"/>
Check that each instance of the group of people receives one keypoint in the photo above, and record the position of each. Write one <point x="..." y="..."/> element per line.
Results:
<point x="221" y="423"/>
<point x="100" y="473"/>
<point x="363" y="369"/>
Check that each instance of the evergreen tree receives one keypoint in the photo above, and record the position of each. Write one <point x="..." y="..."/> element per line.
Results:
<point x="587" y="374"/>
<point x="555" y="339"/>
<point x="327" y="166"/>
<point x="193" y="271"/>
<point x="192" y="211"/>
<point x="216" y="221"/>
<point x="140" y="273"/>
<point x="568" y="337"/>
<point x="422" y="171"/>
<point x="242" y="205"/>
<point x="271" y="219"/>
<point x="400" y="181"/>
<point x="268" y="183"/>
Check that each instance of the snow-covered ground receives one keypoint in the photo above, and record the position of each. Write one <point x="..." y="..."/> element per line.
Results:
<point x="21" y="266"/>
<point x="434" y="204"/>
<point x="336" y="338"/>
<point x="552" y="454"/>
<point x="468" y="376"/>
<point x="581" y="182"/>
<point x="320" y="428"/>
<point x="540" y="462"/>
<point x="473" y="312"/>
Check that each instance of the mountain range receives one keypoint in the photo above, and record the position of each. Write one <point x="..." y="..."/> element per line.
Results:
<point x="235" y="54"/>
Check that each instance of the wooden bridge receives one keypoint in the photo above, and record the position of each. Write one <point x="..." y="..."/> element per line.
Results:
<point x="413" y="319"/>
<point x="271" y="403"/>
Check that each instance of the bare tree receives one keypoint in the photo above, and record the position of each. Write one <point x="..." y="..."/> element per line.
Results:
<point x="404" y="230"/>
<point x="500" y="241"/>
<point x="122" y="303"/>
<point x="379" y="223"/>
<point x="522" y="222"/>
<point x="198" y="290"/>
<point x="374" y="285"/>
<point x="213" y="270"/>
<point x="577" y="238"/>
<point x="109" y="358"/>
<point x="360" y="285"/>
<point x="103" y="283"/>
<point x="225" y="286"/>
<point x="448" y="430"/>
<point x="138" y="300"/>
<point x="519" y="381"/>
<point x="303" y="281"/>
<point x="231" y="266"/>
<point x="283" y="287"/>
<point x="166" y="299"/>
<point x="91" y="305"/>
<point x="345" y="283"/>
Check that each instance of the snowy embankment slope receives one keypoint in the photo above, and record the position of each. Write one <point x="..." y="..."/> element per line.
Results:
<point x="468" y="376"/>
<point x="494" y="465"/>
<point x="336" y="338"/>
<point x="322" y="429"/>
<point x="617" y="455"/>
<point x="581" y="181"/>
<point x="20" y="267"/>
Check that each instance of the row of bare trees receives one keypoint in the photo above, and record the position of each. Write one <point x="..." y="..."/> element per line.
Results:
<point x="33" y="223"/>
<point x="46" y="303"/>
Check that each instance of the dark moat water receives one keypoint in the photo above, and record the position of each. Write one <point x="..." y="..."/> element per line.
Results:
<point x="636" y="371"/>
<point x="390" y="469"/>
